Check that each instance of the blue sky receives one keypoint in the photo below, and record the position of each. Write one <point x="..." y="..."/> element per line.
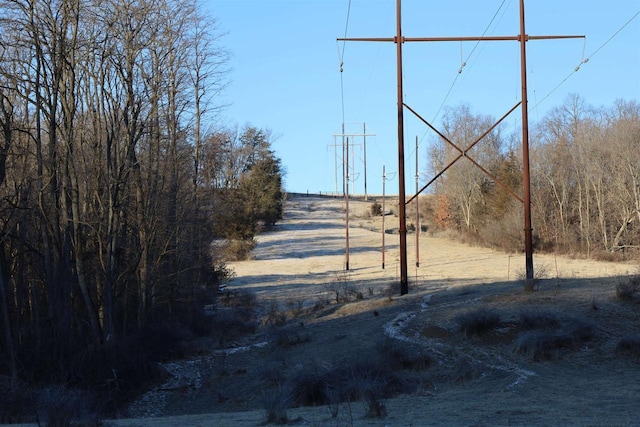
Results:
<point x="285" y="73"/>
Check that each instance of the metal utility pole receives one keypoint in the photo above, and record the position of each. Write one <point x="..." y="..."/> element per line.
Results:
<point x="526" y="180"/>
<point x="522" y="38"/>
<point x="335" y="166"/>
<point x="417" y="211"/>
<point x="344" y="172"/>
<point x="404" y="279"/>
<point x="384" y="179"/>
<point x="346" y="198"/>
<point x="398" y="40"/>
<point x="364" y="142"/>
<point x="345" y="149"/>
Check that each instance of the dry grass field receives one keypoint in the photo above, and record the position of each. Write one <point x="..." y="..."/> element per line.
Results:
<point x="466" y="346"/>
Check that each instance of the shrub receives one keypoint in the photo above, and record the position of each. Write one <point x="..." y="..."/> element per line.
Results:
<point x="59" y="406"/>
<point x="238" y="299"/>
<point x="503" y="234"/>
<point x="276" y="403"/>
<point x="540" y="344"/>
<point x="538" y="319"/>
<point x="371" y="385"/>
<point x="274" y="315"/>
<point x="373" y="399"/>
<point x="272" y="373"/>
<point x="288" y="336"/>
<point x="581" y="333"/>
<point x="394" y="355"/>
<point x="627" y="289"/>
<point x="309" y="386"/>
<point x="539" y="273"/>
<point x="376" y="209"/>
<point x="15" y="402"/>
<point x="465" y="370"/>
<point x="478" y="322"/>
<point x="238" y="249"/>
<point x="344" y="291"/>
<point x="629" y="345"/>
<point x="295" y="306"/>
<point x="229" y="325"/>
<point x="368" y="381"/>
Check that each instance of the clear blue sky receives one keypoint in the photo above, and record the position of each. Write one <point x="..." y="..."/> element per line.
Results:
<point x="285" y="73"/>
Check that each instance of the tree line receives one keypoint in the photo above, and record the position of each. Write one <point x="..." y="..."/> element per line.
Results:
<point x="585" y="179"/>
<point x="113" y="183"/>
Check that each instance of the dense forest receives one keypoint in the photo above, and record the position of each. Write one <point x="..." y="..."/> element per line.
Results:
<point x="113" y="186"/>
<point x="585" y="180"/>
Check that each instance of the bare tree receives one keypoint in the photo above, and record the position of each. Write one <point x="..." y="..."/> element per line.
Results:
<point x="464" y="183"/>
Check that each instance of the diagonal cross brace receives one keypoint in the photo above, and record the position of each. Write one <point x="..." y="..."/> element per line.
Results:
<point x="463" y="153"/>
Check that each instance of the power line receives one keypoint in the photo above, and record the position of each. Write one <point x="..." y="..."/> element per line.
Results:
<point x="463" y="64"/>
<point x="585" y="60"/>
<point x="341" y="58"/>
<point x="577" y="68"/>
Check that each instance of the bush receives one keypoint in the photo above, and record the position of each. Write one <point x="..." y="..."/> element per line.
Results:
<point x="540" y="345"/>
<point x="368" y="381"/>
<point x="478" y="322"/>
<point x="274" y="315"/>
<point x="15" y="402"/>
<point x="344" y="291"/>
<point x="540" y="272"/>
<point x="537" y="319"/>
<point x="354" y="378"/>
<point x="466" y="370"/>
<point x="505" y="233"/>
<point x="295" y="306"/>
<point x="59" y="406"/>
<point x="272" y="373"/>
<point x="376" y="209"/>
<point x="627" y="289"/>
<point x="629" y="345"/>
<point x="397" y="356"/>
<point x="276" y="403"/>
<point x="238" y="249"/>
<point x="229" y="325"/>
<point x="310" y="387"/>
<point x="284" y="337"/>
<point x="239" y="299"/>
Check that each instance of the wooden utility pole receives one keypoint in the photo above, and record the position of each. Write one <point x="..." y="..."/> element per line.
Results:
<point x="522" y="38"/>
<point x="384" y="179"/>
<point x="417" y="211"/>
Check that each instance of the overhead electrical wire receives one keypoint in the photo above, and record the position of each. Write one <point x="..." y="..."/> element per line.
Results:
<point x="463" y="64"/>
<point x="585" y="60"/>
<point x="341" y="58"/>
<point x="341" y="63"/>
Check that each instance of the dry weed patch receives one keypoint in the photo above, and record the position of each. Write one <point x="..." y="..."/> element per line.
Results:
<point x="545" y="338"/>
<point x="627" y="289"/>
<point x="629" y="345"/>
<point x="478" y="322"/>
